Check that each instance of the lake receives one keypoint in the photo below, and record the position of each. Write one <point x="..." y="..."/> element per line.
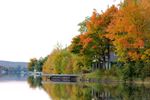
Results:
<point x="22" y="87"/>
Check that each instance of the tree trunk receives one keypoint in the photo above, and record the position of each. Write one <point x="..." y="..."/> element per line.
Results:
<point x="108" y="55"/>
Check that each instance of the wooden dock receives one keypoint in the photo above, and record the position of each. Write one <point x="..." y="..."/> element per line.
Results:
<point x="61" y="77"/>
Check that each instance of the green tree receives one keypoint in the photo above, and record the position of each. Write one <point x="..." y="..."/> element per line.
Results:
<point x="32" y="64"/>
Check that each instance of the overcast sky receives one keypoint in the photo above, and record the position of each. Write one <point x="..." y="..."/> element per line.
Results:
<point x="31" y="28"/>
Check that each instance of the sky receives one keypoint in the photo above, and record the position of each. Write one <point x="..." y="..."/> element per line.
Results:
<point x="32" y="28"/>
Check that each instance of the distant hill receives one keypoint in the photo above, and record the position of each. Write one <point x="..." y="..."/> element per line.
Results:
<point x="13" y="64"/>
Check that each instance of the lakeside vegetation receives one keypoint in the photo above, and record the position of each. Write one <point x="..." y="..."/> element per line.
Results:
<point x="123" y="31"/>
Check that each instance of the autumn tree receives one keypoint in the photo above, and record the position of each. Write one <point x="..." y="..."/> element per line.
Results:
<point x="92" y="42"/>
<point x="129" y="30"/>
<point x="130" y="34"/>
<point x="59" y="61"/>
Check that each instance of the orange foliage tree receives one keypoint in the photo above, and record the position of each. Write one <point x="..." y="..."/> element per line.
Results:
<point x="93" y="42"/>
<point x="129" y="30"/>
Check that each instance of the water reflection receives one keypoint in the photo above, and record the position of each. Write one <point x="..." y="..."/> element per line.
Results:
<point x="73" y="91"/>
<point x="92" y="91"/>
<point x="34" y="82"/>
<point x="15" y="87"/>
<point x="13" y="77"/>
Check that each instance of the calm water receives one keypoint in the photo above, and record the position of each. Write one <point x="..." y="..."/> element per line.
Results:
<point x="19" y="87"/>
<point x="16" y="87"/>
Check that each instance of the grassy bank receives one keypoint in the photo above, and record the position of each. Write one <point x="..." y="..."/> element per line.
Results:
<point x="102" y="75"/>
<point x="109" y="76"/>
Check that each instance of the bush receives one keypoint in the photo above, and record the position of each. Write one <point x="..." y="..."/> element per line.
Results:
<point x="145" y="72"/>
<point x="128" y="71"/>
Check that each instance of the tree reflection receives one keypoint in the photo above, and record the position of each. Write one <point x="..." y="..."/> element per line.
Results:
<point x="34" y="82"/>
<point x="92" y="91"/>
<point x="67" y="91"/>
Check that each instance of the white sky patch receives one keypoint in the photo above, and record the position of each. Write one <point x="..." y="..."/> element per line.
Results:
<point x="31" y="28"/>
